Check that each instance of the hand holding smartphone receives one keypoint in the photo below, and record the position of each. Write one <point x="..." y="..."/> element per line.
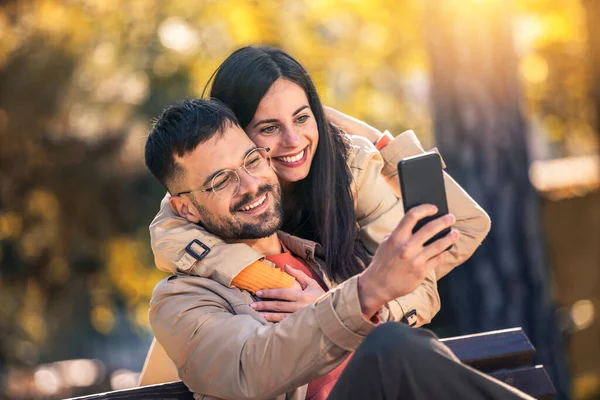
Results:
<point x="422" y="182"/>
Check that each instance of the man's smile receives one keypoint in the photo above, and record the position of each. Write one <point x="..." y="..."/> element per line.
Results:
<point x="257" y="206"/>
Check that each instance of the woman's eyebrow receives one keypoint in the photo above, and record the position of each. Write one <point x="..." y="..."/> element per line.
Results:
<point x="268" y="121"/>
<point x="265" y="121"/>
<point x="300" y="109"/>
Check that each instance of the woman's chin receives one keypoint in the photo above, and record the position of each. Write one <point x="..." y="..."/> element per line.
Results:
<point x="292" y="176"/>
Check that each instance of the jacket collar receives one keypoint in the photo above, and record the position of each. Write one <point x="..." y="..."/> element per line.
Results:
<point x="303" y="248"/>
<point x="311" y="252"/>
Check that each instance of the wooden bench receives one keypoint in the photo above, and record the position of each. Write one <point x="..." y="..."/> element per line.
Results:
<point x="506" y="355"/>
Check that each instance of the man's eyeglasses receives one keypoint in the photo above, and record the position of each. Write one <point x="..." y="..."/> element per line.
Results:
<point x="226" y="183"/>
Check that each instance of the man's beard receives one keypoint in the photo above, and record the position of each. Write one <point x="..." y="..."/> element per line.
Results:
<point x="231" y="228"/>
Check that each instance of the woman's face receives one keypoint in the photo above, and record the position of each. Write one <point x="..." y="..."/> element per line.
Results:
<point x="285" y="123"/>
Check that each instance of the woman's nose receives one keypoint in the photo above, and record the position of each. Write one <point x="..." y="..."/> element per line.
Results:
<point x="290" y="137"/>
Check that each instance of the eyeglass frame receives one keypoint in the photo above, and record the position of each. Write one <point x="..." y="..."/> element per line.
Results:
<point x="235" y="171"/>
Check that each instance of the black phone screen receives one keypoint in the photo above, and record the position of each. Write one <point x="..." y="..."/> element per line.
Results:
<point x="422" y="182"/>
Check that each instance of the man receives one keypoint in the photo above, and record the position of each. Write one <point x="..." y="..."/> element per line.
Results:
<point x="223" y="348"/>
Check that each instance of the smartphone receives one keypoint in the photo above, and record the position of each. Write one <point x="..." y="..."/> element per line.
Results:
<point x="422" y="182"/>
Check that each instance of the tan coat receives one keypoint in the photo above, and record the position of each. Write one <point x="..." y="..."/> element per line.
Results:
<point x="224" y="349"/>
<point x="378" y="209"/>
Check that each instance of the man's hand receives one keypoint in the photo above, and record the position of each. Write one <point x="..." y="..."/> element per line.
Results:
<point x="402" y="262"/>
<point x="286" y="301"/>
<point x="351" y="125"/>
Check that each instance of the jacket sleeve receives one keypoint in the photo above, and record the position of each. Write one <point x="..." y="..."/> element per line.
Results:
<point x="378" y="212"/>
<point x="472" y="221"/>
<point x="221" y="350"/>
<point x="170" y="234"/>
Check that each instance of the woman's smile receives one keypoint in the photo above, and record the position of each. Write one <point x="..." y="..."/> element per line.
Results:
<point x="292" y="160"/>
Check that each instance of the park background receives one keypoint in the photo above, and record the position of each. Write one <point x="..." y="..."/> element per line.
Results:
<point x="508" y="90"/>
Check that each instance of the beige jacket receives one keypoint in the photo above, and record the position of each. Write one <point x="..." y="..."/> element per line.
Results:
<point x="224" y="349"/>
<point x="378" y="209"/>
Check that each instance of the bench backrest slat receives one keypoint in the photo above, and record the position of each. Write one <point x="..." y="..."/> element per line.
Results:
<point x="489" y="351"/>
<point x="171" y="391"/>
<point x="531" y="380"/>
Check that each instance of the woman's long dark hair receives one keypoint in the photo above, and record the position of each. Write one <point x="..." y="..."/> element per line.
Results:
<point x="319" y="207"/>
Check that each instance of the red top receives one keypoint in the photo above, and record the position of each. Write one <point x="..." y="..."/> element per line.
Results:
<point x="281" y="259"/>
<point x="320" y="388"/>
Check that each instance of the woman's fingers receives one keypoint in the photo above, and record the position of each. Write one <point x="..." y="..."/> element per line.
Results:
<point x="276" y="306"/>
<point x="274" y="317"/>
<point x="296" y="285"/>
<point x="303" y="279"/>
<point x="286" y="301"/>
<point x="280" y="294"/>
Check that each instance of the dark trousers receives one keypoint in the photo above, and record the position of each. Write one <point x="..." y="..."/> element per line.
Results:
<point x="399" y="362"/>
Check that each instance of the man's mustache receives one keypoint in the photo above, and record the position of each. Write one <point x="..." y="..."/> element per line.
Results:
<point x="248" y="198"/>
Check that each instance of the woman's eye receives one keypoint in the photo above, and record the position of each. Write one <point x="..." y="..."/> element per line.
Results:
<point x="268" y="129"/>
<point x="302" y="119"/>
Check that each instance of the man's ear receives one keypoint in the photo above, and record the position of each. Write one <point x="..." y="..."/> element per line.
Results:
<point x="185" y="208"/>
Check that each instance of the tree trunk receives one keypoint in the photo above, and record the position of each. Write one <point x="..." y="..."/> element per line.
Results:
<point x="592" y="13"/>
<point x="481" y="133"/>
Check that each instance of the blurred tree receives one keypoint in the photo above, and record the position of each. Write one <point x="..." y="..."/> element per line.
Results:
<point x="61" y="200"/>
<point x="551" y="42"/>
<point x="72" y="208"/>
<point x="483" y="135"/>
<point x="80" y="81"/>
<point x="592" y="13"/>
<point x="366" y="57"/>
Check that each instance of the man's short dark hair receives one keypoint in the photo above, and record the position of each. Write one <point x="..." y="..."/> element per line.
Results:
<point x="179" y="130"/>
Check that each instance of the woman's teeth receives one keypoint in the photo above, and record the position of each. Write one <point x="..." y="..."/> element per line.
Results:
<point x="255" y="204"/>
<point x="295" y="158"/>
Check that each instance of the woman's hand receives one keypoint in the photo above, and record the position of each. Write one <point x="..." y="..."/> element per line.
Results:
<point x="352" y="125"/>
<point x="286" y="301"/>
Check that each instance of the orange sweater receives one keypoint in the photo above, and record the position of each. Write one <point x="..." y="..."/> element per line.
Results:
<point x="259" y="275"/>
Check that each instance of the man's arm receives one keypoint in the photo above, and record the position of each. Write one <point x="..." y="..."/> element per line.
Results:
<point x="379" y="211"/>
<point x="220" y="349"/>
<point x="425" y="300"/>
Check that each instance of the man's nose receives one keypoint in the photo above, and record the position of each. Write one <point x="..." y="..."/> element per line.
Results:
<point x="248" y="183"/>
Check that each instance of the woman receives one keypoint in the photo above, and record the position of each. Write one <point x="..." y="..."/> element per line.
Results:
<point x="338" y="190"/>
<point x="334" y="185"/>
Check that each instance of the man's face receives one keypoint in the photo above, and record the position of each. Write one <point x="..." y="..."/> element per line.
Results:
<point x="253" y="212"/>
